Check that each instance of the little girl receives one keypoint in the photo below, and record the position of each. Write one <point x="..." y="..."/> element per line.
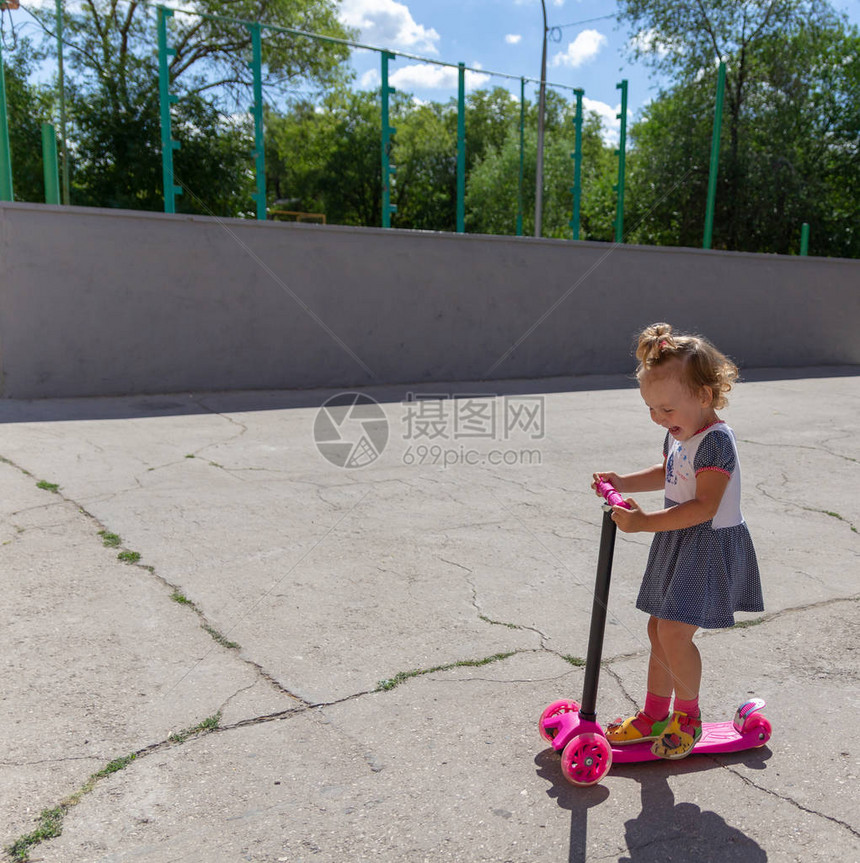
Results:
<point x="702" y="565"/>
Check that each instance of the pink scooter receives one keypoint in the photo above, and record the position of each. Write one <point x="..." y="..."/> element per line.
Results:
<point x="573" y="730"/>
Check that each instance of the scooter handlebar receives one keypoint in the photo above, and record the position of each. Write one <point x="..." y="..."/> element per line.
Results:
<point x="612" y="497"/>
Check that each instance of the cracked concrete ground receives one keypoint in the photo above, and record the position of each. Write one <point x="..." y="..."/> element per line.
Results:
<point x="467" y="588"/>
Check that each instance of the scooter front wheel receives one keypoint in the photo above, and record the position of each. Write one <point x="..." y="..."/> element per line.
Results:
<point x="762" y="725"/>
<point x="551" y="710"/>
<point x="586" y="759"/>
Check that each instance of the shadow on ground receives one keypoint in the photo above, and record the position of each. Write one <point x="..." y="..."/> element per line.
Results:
<point x="663" y="830"/>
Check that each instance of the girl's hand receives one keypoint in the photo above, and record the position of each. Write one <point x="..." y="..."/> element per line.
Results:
<point x="612" y="478"/>
<point x="630" y="520"/>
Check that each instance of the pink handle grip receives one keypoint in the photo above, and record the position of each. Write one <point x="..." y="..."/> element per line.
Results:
<point x="613" y="498"/>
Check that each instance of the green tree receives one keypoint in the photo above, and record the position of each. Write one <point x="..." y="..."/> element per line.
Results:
<point x="350" y="182"/>
<point x="490" y="116"/>
<point x="787" y="137"/>
<point x="118" y="151"/>
<point x="667" y="170"/>
<point x="492" y="192"/>
<point x="599" y="176"/>
<point x="27" y="106"/>
<point x="113" y="85"/>
<point x="297" y="148"/>
<point x="491" y="197"/>
<point x="425" y="152"/>
<point x="795" y="156"/>
<point x="325" y="158"/>
<point x="803" y="158"/>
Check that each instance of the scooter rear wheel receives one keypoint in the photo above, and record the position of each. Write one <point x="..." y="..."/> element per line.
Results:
<point x="586" y="759"/>
<point x="555" y="709"/>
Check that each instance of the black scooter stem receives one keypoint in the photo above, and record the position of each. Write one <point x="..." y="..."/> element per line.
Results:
<point x="588" y="706"/>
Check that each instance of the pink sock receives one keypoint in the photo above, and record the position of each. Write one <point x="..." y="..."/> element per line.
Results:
<point x="657" y="706"/>
<point x="691" y="708"/>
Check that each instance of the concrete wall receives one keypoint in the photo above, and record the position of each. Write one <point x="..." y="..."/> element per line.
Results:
<point x="100" y="302"/>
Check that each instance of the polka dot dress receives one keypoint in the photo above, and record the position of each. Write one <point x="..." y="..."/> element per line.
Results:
<point x="703" y="574"/>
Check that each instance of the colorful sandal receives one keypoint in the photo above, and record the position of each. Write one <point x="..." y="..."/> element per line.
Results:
<point x="635" y="729"/>
<point x="681" y="735"/>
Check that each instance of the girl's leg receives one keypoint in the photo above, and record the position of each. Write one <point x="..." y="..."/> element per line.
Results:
<point x="651" y="721"/>
<point x="660" y="680"/>
<point x="682" y="657"/>
<point x="685" y="727"/>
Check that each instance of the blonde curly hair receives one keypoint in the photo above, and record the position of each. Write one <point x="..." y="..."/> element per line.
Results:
<point x="702" y="365"/>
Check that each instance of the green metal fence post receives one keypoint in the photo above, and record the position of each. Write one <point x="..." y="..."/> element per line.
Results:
<point x="804" y="239"/>
<point x="61" y="87"/>
<point x="259" y="151"/>
<point x="715" y="158"/>
<point x="576" y="189"/>
<point x="165" y="99"/>
<point x="49" y="164"/>
<point x="388" y="132"/>
<point x="5" y="150"/>
<point x="621" y="152"/>
<point x="522" y="156"/>
<point x="461" y="148"/>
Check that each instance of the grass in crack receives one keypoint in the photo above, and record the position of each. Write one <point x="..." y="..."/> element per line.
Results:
<point x="222" y="640"/>
<point x="181" y="598"/>
<point x="402" y="676"/>
<point x="840" y="518"/>
<point x="109" y="769"/>
<point x="207" y="725"/>
<point x="109" y="540"/>
<point x="574" y="660"/>
<point x="499" y="622"/>
<point x="50" y="826"/>
<point x="746" y="624"/>
<point x="48" y="486"/>
<point x="51" y="820"/>
<point x="129" y="556"/>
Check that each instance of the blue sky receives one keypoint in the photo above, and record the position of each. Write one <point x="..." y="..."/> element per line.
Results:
<point x="498" y="35"/>
<point x="506" y="36"/>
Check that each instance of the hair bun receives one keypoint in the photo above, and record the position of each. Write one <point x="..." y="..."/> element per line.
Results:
<point x="653" y="342"/>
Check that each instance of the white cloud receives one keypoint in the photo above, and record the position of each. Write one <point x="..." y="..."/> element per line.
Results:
<point x="513" y="38"/>
<point x="429" y="76"/>
<point x="388" y="24"/>
<point x="611" y="132"/>
<point x="370" y="80"/>
<point x="607" y="112"/>
<point x="584" y="48"/>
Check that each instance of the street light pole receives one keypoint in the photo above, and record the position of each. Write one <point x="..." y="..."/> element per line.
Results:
<point x="541" y="110"/>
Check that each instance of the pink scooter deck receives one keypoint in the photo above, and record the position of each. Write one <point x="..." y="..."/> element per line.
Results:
<point x="716" y="737"/>
<point x="587" y="755"/>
